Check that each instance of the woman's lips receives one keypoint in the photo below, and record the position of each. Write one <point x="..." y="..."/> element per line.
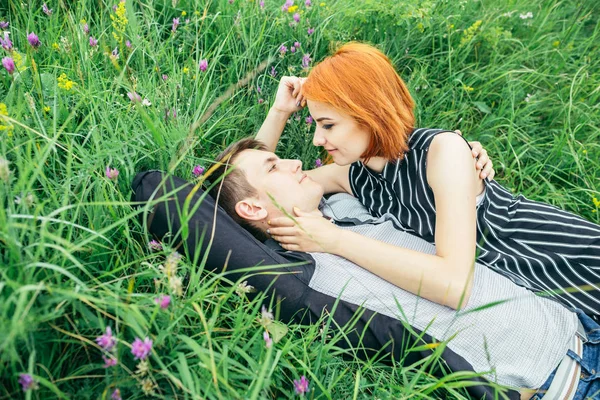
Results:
<point x="330" y="150"/>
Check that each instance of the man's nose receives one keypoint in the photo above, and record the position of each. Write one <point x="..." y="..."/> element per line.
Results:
<point x="319" y="138"/>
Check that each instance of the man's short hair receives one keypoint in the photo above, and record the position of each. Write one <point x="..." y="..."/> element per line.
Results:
<point x="231" y="183"/>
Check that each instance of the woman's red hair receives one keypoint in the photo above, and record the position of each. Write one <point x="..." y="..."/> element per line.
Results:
<point x="359" y="80"/>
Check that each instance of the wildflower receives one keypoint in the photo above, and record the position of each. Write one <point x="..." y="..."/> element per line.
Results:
<point x="273" y="72"/>
<point x="258" y="89"/>
<point x="176" y="285"/>
<point x="318" y="163"/>
<point x="27" y="200"/>
<point x="470" y="32"/>
<point x="107" y="341"/>
<point x="46" y="10"/>
<point x="292" y="9"/>
<point x="3" y="25"/>
<point x="526" y="15"/>
<point x="265" y="316"/>
<point x="287" y="5"/>
<point x="93" y="42"/>
<point x="203" y="65"/>
<point x="6" y="43"/>
<point x="164" y="77"/>
<point x="308" y="3"/>
<point x="163" y="301"/>
<point x="142" y="368"/>
<point x="128" y="44"/>
<point x="84" y="27"/>
<point x="141" y="349"/>
<point x="55" y="46"/>
<point x="556" y="43"/>
<point x="306" y="61"/>
<point x="261" y="4"/>
<point x="268" y="340"/>
<point x="116" y="395"/>
<point x="310" y="31"/>
<point x="9" y="64"/>
<point x="297" y="45"/>
<point x="115" y="53"/>
<point x="119" y="22"/>
<point x="596" y="201"/>
<point x="4" y="171"/>
<point x="112" y="173"/>
<point x="134" y="97"/>
<point x="322" y="4"/>
<point x="175" y="24"/>
<point x="33" y="40"/>
<point x="261" y="100"/>
<point x="27" y="382"/>
<point x="243" y="288"/>
<point x="309" y="120"/>
<point x="109" y="361"/>
<point x="301" y="385"/>
<point x="467" y="88"/>
<point x="296" y="17"/>
<point x="293" y="49"/>
<point x="148" y="386"/>
<point x="46" y="109"/>
<point x="185" y="70"/>
<point x="170" y="267"/>
<point x="146" y="103"/>
<point x="155" y="245"/>
<point x="283" y="50"/>
<point x="198" y="170"/>
<point x="527" y="98"/>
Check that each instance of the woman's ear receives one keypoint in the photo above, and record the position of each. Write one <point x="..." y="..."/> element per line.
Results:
<point x="251" y="210"/>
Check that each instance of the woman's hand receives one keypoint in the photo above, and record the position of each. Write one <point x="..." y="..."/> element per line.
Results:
<point x="484" y="164"/>
<point x="289" y="98"/>
<point x="306" y="232"/>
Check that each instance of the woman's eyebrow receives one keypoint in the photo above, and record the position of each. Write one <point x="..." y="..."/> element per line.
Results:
<point x="323" y="118"/>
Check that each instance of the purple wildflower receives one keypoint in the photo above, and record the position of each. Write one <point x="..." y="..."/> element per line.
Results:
<point x="3" y="25"/>
<point x="134" y="97"/>
<point x="6" y="43"/>
<point x="175" y="24"/>
<point x="283" y="49"/>
<point x="261" y="100"/>
<point x="46" y="10"/>
<point x="301" y="385"/>
<point x="308" y="3"/>
<point x="128" y="44"/>
<point x="287" y="5"/>
<point x="318" y="163"/>
<point x="93" y="42"/>
<point x="9" y="64"/>
<point x="273" y="72"/>
<point x="114" y="8"/>
<point x="198" y="170"/>
<point x="112" y="174"/>
<point x="27" y="382"/>
<point x="268" y="340"/>
<point x="34" y="40"/>
<point x="262" y="4"/>
<point x="297" y="45"/>
<point x="109" y="361"/>
<point x="163" y="301"/>
<point x="310" y="31"/>
<point x="293" y="49"/>
<point x="296" y="17"/>
<point x="85" y="28"/>
<point x="306" y="61"/>
<point x="140" y="349"/>
<point x="165" y="77"/>
<point x="155" y="245"/>
<point x="107" y="341"/>
<point x="203" y="65"/>
<point x="116" y="395"/>
<point x="258" y="89"/>
<point x="309" y="120"/>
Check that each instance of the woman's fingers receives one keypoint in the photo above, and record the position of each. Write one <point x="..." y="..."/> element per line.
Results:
<point x="287" y="231"/>
<point x="482" y="159"/>
<point x="285" y="239"/>
<point x="488" y="171"/>
<point x="476" y="148"/>
<point x="280" y="222"/>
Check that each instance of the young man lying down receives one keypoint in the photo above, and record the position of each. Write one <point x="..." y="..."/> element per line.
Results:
<point x="526" y="342"/>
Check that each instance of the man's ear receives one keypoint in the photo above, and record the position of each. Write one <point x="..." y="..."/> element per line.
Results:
<point x="251" y="209"/>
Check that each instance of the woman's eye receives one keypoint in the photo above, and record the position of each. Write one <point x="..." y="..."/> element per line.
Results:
<point x="329" y="126"/>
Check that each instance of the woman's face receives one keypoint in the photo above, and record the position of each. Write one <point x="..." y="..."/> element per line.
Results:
<point x="343" y="138"/>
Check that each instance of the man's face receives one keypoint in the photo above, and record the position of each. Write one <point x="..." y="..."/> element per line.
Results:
<point x="284" y="180"/>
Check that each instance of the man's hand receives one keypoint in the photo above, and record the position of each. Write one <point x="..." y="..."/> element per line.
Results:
<point x="307" y="232"/>
<point x="289" y="98"/>
<point x="484" y="164"/>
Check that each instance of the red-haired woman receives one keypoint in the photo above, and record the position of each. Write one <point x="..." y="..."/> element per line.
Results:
<point x="425" y="178"/>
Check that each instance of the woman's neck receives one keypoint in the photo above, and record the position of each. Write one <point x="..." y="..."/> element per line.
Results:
<point x="376" y="164"/>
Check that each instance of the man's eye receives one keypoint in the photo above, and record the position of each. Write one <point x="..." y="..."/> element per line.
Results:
<point x="273" y="167"/>
<point x="329" y="126"/>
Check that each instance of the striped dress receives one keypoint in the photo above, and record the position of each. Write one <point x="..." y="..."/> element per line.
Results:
<point x="536" y="245"/>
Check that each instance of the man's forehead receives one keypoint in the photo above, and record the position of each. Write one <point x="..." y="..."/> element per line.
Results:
<point x="254" y="160"/>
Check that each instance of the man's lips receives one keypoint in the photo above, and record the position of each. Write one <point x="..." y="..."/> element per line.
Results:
<point x="303" y="176"/>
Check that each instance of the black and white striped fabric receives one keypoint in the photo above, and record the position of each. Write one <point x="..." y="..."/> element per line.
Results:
<point x="536" y="245"/>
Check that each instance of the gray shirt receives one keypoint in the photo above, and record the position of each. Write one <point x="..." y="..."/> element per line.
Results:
<point x="515" y="343"/>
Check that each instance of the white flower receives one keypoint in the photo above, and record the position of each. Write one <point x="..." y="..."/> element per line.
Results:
<point x="243" y="288"/>
<point x="28" y="200"/>
<point x="265" y="316"/>
<point x="528" y="98"/>
<point x="142" y="368"/>
<point x="146" y="103"/>
<point x="527" y="15"/>
<point x="176" y="285"/>
<point x="148" y="386"/>
<point x="4" y="171"/>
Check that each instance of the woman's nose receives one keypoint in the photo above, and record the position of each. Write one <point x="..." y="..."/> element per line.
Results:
<point x="318" y="138"/>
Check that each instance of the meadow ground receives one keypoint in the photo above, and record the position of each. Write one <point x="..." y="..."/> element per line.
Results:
<point x="129" y="86"/>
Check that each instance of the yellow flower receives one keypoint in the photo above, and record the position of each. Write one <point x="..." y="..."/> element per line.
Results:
<point x="470" y="32"/>
<point x="451" y="26"/>
<point x="119" y="22"/>
<point x="322" y="4"/>
<point x="65" y="83"/>
<point x="421" y="27"/>
<point x="82" y="21"/>
<point x="596" y="202"/>
<point x="55" y="46"/>
<point x="584" y="151"/>
<point x="292" y="9"/>
<point x="467" y="88"/>
<point x="5" y="125"/>
<point x="556" y="43"/>
<point x="197" y="13"/>
<point x="186" y="70"/>
<point x="47" y="109"/>
<point x="183" y="13"/>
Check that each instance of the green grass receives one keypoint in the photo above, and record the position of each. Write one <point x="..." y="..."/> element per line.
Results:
<point x="72" y="262"/>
